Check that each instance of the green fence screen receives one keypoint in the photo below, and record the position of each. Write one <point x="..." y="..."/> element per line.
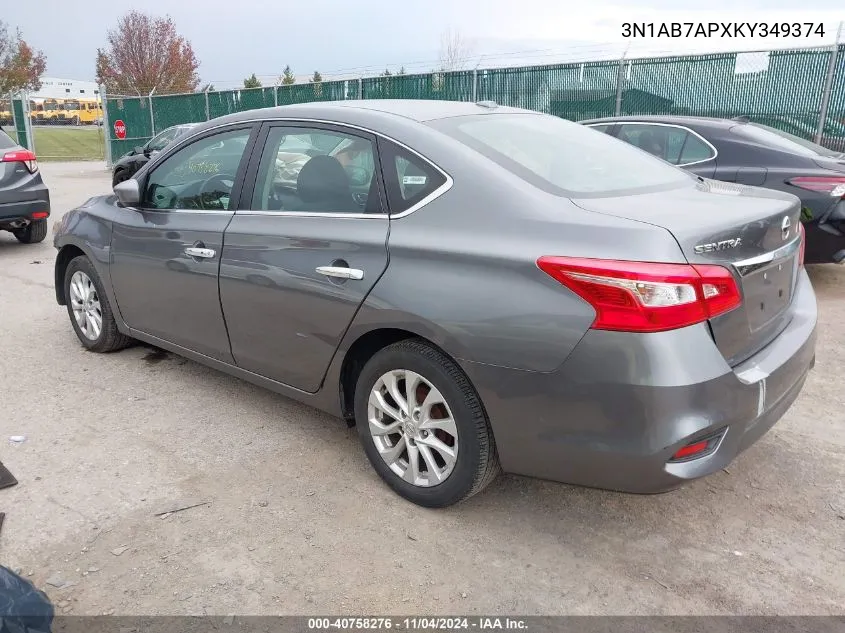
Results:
<point x="20" y="123"/>
<point x="785" y="89"/>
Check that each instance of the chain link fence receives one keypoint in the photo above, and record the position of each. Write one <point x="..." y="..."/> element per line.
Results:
<point x="801" y="91"/>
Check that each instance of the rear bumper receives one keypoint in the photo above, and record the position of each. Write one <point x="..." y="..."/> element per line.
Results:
<point x="621" y="405"/>
<point x="23" y="210"/>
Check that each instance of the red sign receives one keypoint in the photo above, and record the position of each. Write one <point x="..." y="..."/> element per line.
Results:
<point x="120" y="129"/>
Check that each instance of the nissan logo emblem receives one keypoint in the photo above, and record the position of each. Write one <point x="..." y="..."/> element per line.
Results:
<point x="784" y="227"/>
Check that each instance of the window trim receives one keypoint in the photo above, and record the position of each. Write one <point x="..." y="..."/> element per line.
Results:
<point x="176" y="146"/>
<point x="259" y="123"/>
<point x="674" y="125"/>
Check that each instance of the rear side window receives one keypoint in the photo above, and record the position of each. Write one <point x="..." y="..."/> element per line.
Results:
<point x="6" y="141"/>
<point x="559" y="156"/>
<point x="695" y="150"/>
<point x="408" y="178"/>
<point x="674" y="144"/>
<point x="601" y="127"/>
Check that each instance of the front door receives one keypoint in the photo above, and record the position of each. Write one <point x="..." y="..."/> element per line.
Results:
<point x="165" y="254"/>
<point x="305" y="250"/>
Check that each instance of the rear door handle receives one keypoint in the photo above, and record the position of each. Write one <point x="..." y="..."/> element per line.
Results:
<point x="340" y="272"/>
<point x="204" y="253"/>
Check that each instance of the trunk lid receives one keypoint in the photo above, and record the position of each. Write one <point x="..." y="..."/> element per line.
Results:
<point x="751" y="231"/>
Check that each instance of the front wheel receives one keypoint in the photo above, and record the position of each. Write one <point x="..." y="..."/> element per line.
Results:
<point x="32" y="233"/>
<point x="423" y="426"/>
<point x="120" y="176"/>
<point x="89" y="310"/>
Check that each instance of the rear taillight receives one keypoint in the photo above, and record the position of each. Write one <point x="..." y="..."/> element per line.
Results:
<point x="802" y="234"/>
<point x="831" y="185"/>
<point x="644" y="296"/>
<point x="21" y="156"/>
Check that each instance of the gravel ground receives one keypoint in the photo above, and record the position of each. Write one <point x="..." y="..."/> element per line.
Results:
<point x="295" y="521"/>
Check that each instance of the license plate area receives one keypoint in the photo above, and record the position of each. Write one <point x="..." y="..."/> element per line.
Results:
<point x="768" y="291"/>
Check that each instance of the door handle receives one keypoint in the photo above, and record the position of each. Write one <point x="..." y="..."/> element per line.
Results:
<point x="204" y="253"/>
<point x="340" y="272"/>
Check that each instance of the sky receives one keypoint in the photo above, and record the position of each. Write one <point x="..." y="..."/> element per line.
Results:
<point x="235" y="39"/>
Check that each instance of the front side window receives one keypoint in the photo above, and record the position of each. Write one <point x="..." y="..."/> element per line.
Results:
<point x="559" y="156"/>
<point x="316" y="171"/>
<point x="199" y="176"/>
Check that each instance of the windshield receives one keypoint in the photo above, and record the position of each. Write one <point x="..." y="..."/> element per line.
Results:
<point x="162" y="140"/>
<point x="559" y="156"/>
<point x="781" y="140"/>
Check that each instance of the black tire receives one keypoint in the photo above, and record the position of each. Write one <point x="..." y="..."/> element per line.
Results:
<point x="120" y="175"/>
<point x="110" y="339"/>
<point x="32" y="233"/>
<point x="477" y="462"/>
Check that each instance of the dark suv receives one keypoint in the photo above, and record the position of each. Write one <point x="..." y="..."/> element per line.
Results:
<point x="132" y="161"/>
<point x="24" y="199"/>
<point x="738" y="150"/>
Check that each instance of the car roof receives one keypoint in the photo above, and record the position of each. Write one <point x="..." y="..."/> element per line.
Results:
<point x="373" y="110"/>
<point x="701" y="121"/>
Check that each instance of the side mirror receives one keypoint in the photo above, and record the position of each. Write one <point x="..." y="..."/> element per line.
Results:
<point x="139" y="150"/>
<point x="128" y="192"/>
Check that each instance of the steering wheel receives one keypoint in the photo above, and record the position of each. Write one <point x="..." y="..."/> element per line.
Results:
<point x="215" y="188"/>
<point x="357" y="175"/>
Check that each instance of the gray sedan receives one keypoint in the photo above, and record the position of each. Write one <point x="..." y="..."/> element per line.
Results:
<point x="476" y="288"/>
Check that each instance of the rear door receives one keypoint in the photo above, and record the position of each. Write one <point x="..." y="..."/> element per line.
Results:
<point x="304" y="249"/>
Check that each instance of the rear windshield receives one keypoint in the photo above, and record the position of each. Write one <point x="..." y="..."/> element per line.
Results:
<point x="6" y="141"/>
<point x="561" y="157"/>
<point x="781" y="140"/>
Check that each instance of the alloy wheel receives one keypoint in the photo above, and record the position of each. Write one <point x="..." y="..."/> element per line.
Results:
<point x="412" y="428"/>
<point x="85" y="304"/>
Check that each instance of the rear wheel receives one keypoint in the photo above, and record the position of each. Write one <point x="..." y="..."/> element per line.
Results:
<point x="422" y="425"/>
<point x="89" y="309"/>
<point x="32" y="233"/>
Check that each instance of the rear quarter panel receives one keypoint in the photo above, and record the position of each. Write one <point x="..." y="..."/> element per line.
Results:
<point x="463" y="270"/>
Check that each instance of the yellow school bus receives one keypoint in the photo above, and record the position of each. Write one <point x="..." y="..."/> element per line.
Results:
<point x="6" y="117"/>
<point x="90" y="111"/>
<point x="65" y="111"/>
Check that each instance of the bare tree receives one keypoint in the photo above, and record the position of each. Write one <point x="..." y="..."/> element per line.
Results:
<point x="455" y="51"/>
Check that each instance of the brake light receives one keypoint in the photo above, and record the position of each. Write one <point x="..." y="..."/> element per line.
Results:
<point x="21" y="156"/>
<point x="832" y="185"/>
<point x="644" y="296"/>
<point x="802" y="233"/>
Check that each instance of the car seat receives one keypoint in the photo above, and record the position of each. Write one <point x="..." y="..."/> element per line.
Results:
<point x="322" y="185"/>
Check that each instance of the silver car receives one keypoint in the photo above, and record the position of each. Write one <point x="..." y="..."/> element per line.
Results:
<point x="476" y="288"/>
